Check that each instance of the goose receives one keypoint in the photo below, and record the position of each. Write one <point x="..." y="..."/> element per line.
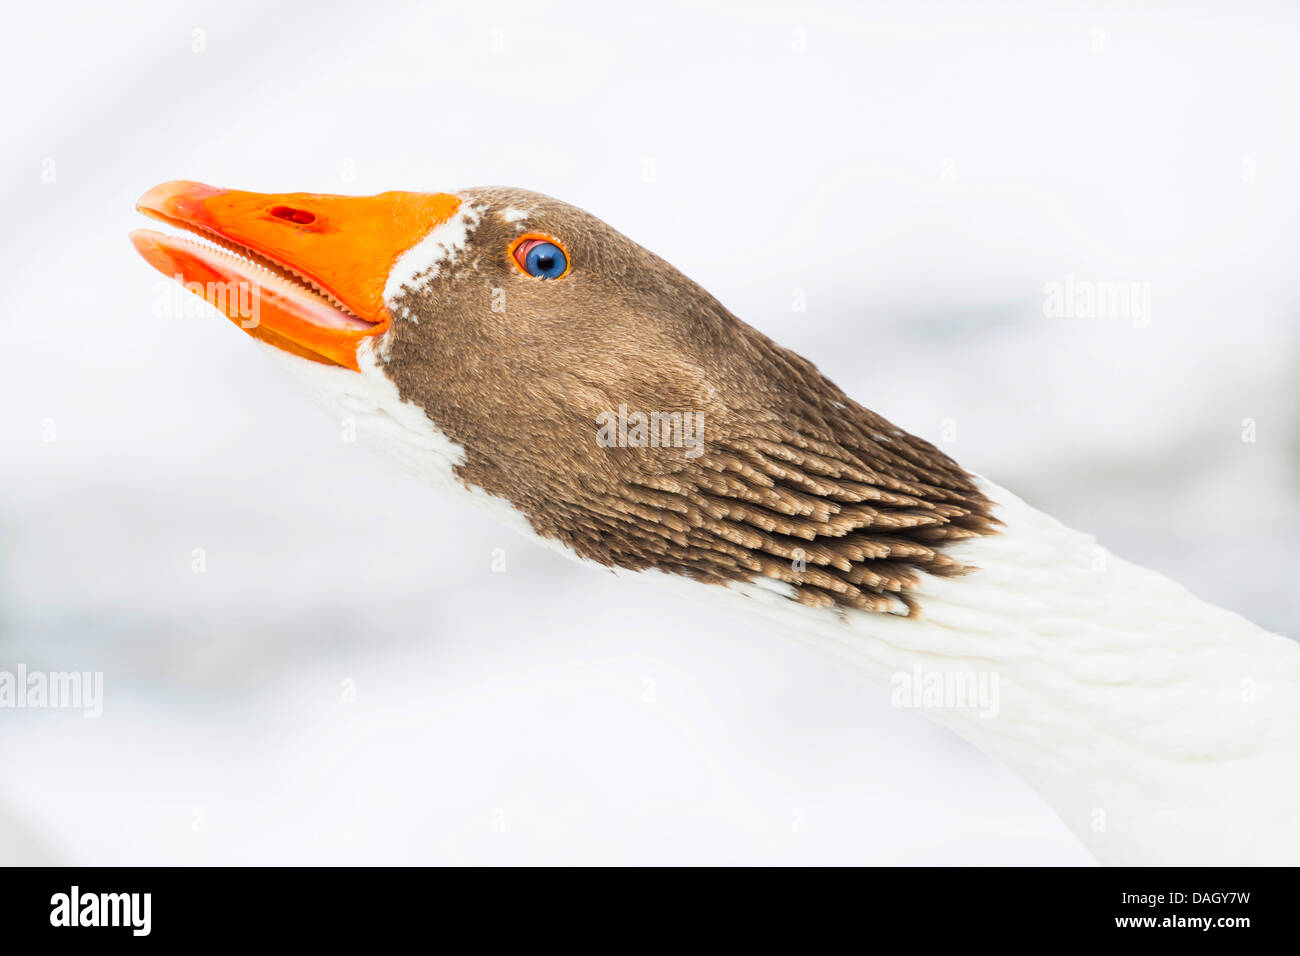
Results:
<point x="520" y="353"/>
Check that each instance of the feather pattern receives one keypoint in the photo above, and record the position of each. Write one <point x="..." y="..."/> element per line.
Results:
<point x="1163" y="730"/>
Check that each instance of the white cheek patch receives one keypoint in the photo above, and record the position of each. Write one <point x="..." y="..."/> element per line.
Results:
<point x="425" y="260"/>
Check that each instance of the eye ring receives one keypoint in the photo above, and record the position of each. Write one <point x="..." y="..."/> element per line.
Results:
<point x="531" y="251"/>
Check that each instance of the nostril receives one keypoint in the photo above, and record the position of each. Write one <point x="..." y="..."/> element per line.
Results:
<point x="300" y="216"/>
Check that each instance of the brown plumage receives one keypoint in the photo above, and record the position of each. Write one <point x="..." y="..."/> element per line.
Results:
<point x="795" y="480"/>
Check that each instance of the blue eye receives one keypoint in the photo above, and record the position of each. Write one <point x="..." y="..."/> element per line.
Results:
<point x="541" y="258"/>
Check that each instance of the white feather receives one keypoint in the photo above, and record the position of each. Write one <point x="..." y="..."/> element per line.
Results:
<point x="1161" y="729"/>
<point x="428" y="257"/>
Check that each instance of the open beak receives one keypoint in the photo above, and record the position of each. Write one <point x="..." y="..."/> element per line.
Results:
<point x="302" y="271"/>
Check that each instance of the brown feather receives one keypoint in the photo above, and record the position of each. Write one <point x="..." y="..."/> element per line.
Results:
<point x="795" y="482"/>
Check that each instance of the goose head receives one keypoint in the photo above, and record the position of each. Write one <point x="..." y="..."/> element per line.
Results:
<point x="535" y="355"/>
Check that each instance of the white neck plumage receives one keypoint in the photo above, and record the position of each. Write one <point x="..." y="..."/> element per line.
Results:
<point x="1161" y="729"/>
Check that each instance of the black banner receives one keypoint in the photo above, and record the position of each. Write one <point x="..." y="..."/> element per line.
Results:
<point x="811" y="907"/>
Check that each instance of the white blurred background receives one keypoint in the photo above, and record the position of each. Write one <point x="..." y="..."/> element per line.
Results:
<point x="349" y="681"/>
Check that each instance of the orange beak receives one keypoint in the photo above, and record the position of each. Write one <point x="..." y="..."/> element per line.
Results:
<point x="307" y="272"/>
